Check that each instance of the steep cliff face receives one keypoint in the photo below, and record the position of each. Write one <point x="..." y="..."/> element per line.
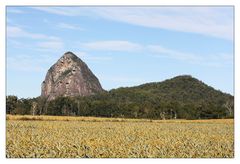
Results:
<point x="69" y="76"/>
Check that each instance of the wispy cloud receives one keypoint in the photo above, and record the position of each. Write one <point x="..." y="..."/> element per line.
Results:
<point x="65" y="11"/>
<point x="69" y="26"/>
<point x="17" y="32"/>
<point x="50" y="44"/>
<point x="81" y="54"/>
<point x="215" y="60"/>
<point x="212" y="21"/>
<point x="159" y="51"/>
<point x="44" y="42"/>
<point x="112" y="45"/>
<point x="28" y="63"/>
<point x="97" y="59"/>
<point x="209" y="21"/>
<point x="92" y="58"/>
<point x="14" y="11"/>
<point x="173" y="54"/>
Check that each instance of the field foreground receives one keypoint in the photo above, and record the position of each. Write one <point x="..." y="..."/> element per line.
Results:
<point x="89" y="137"/>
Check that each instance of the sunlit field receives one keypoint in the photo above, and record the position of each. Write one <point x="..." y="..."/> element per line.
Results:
<point x="91" y="137"/>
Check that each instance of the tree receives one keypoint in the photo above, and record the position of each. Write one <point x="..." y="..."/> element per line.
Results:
<point x="11" y="104"/>
<point x="41" y="105"/>
<point x="34" y="108"/>
<point x="62" y="106"/>
<point x="23" y="106"/>
<point x="229" y="106"/>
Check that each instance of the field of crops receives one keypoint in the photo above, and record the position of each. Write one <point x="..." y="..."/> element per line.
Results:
<point x="84" y="137"/>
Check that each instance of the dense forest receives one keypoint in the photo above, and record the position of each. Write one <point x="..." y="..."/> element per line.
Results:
<point x="182" y="97"/>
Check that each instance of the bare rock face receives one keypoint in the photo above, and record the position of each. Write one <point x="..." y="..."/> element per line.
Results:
<point x="70" y="76"/>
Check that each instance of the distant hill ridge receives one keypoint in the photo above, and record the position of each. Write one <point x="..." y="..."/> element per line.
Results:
<point x="182" y="96"/>
<point x="182" y="88"/>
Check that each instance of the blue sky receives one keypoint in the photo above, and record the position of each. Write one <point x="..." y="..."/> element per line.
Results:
<point x="123" y="46"/>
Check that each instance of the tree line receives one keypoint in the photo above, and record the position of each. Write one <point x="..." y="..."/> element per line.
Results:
<point x="179" y="98"/>
<point x="106" y="106"/>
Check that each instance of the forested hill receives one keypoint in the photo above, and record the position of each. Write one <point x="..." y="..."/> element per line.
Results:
<point x="182" y="89"/>
<point x="181" y="97"/>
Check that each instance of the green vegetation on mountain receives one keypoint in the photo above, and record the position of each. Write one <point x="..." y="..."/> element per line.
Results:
<point x="182" y="97"/>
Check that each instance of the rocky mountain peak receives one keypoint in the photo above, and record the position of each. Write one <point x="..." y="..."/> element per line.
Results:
<point x="70" y="76"/>
<point x="69" y="55"/>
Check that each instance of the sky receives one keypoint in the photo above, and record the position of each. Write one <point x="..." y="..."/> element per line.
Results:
<point x="123" y="46"/>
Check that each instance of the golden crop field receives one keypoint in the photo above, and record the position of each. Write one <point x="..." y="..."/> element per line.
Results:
<point x="90" y="137"/>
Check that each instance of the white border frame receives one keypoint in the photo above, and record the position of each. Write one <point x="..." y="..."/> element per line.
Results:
<point x="3" y="4"/>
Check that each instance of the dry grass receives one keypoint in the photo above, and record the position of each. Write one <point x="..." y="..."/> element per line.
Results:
<point x="68" y="137"/>
<point x="107" y="119"/>
<point x="69" y="118"/>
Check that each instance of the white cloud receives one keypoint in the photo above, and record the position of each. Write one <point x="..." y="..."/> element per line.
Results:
<point x="28" y="63"/>
<point x="17" y="32"/>
<point x="69" y="26"/>
<point x="95" y="59"/>
<point x="14" y="11"/>
<point x="159" y="51"/>
<point x="112" y="45"/>
<point x="44" y="42"/>
<point x="81" y="54"/>
<point x="214" y="60"/>
<point x="50" y="45"/>
<point x="174" y="54"/>
<point x="92" y="58"/>
<point x="209" y="21"/>
<point x="65" y="11"/>
<point x="14" y="31"/>
<point x="42" y="46"/>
